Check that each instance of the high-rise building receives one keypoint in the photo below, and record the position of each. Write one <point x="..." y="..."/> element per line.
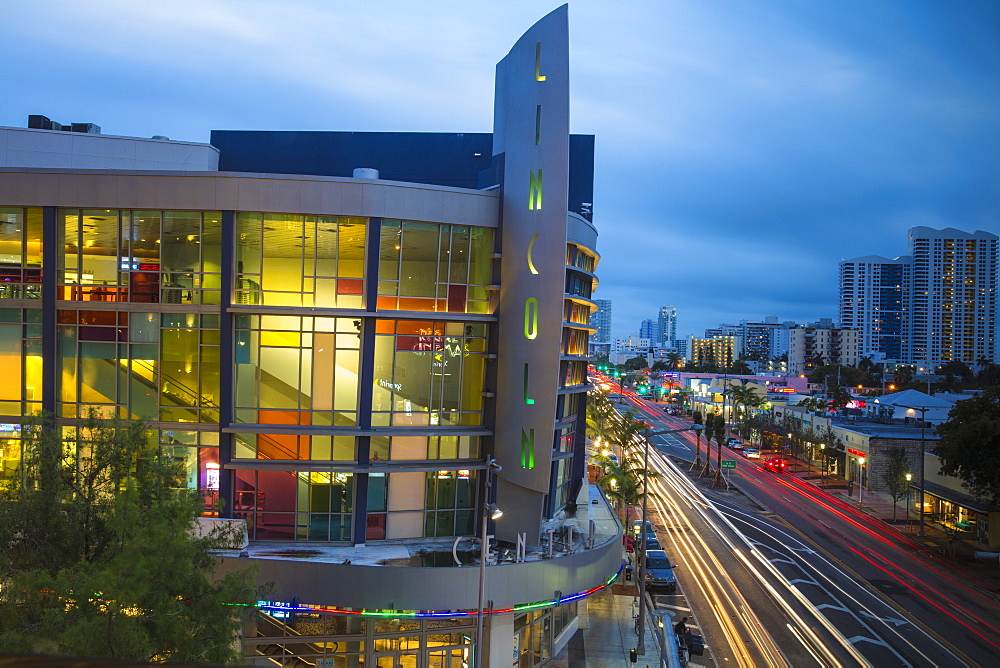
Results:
<point x="872" y="293"/>
<point x="668" y="324"/>
<point x="649" y="329"/>
<point x="936" y="305"/>
<point x="810" y="347"/>
<point x="952" y="305"/>
<point x="602" y="320"/>
<point x="762" y="339"/>
<point x="719" y="350"/>
<point x="341" y="358"/>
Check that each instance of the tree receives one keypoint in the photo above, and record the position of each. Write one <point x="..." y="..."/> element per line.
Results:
<point x="989" y="375"/>
<point x="969" y="447"/>
<point x="903" y="375"/>
<point x="839" y="398"/>
<point x="812" y="404"/>
<point x="635" y="363"/>
<point x="99" y="558"/>
<point x="675" y="360"/>
<point x="745" y="395"/>
<point x="894" y="476"/>
<point x="719" y="434"/>
<point x="740" y="368"/>
<point x="956" y="374"/>
<point x="660" y="365"/>
<point x="697" y="419"/>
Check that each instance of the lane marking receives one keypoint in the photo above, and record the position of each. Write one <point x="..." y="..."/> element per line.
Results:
<point x="856" y="639"/>
<point x="886" y="620"/>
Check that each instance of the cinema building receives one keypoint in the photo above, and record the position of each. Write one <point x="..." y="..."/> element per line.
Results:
<point x="336" y="333"/>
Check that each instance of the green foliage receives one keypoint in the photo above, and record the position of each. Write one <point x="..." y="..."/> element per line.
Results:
<point x="812" y="404"/>
<point x="98" y="556"/>
<point x="969" y="446"/>
<point x="634" y="363"/>
<point x="740" y="368"/>
<point x="894" y="476"/>
<point x="718" y="427"/>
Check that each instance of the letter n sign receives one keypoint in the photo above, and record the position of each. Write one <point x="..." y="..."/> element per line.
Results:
<point x="527" y="449"/>
<point x="535" y="190"/>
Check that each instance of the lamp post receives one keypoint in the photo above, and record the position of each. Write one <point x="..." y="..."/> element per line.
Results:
<point x="490" y="512"/>
<point x="861" y="482"/>
<point x="923" y="412"/>
<point x="822" y="452"/>
<point x="640" y="649"/>
<point x="909" y="493"/>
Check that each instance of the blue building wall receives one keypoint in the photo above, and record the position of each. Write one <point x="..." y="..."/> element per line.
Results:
<point x="459" y="160"/>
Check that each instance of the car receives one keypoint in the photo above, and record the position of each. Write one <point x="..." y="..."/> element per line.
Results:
<point x="637" y="529"/>
<point x="751" y="453"/>
<point x="775" y="465"/>
<point x="736" y="445"/>
<point x="660" y="572"/>
<point x="652" y="543"/>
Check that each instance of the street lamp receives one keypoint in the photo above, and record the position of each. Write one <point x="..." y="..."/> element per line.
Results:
<point x="822" y="452"/>
<point x="923" y="412"/>
<point x="641" y="645"/>
<point x="861" y="483"/>
<point x="909" y="494"/>
<point x="490" y="512"/>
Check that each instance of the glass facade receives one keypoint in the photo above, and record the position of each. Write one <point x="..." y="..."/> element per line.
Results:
<point x="20" y="253"/>
<point x="309" y="638"/>
<point x="274" y="373"/>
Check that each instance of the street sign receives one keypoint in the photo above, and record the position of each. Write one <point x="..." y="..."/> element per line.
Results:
<point x="728" y="463"/>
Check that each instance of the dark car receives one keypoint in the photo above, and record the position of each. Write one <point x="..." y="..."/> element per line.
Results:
<point x="775" y="465"/>
<point x="660" y="572"/>
<point x="652" y="543"/>
<point x="637" y="529"/>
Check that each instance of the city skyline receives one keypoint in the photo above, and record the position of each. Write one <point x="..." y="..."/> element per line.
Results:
<point x="764" y="143"/>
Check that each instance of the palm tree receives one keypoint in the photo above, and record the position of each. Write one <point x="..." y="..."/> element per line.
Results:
<point x="903" y="375"/>
<point x="697" y="419"/>
<point x="745" y="394"/>
<point x="675" y="361"/>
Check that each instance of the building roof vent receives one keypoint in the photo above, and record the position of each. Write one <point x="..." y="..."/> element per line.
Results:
<point x="365" y="173"/>
<point x="161" y="137"/>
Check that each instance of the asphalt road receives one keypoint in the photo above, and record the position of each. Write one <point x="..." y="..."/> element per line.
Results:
<point x="895" y="601"/>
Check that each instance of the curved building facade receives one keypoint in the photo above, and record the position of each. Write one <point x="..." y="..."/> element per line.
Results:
<point x="336" y="361"/>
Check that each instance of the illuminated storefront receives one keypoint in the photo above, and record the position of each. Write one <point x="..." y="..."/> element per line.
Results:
<point x="334" y="360"/>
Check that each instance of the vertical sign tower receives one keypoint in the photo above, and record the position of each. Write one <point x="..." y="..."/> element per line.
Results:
<point x="531" y="144"/>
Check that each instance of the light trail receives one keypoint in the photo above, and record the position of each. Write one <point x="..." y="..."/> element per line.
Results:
<point x="811" y="567"/>
<point x="710" y="577"/>
<point x="880" y="536"/>
<point x="678" y="481"/>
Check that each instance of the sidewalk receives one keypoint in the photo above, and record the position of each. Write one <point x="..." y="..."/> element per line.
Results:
<point x="609" y="634"/>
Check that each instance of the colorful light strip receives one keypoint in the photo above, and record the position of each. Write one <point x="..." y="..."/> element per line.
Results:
<point x="267" y="605"/>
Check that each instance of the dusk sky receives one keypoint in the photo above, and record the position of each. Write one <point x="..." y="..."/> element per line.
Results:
<point x="743" y="147"/>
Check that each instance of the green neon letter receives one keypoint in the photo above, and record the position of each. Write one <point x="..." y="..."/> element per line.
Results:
<point x="526" y="399"/>
<point x="535" y="191"/>
<point x="531" y="318"/>
<point x="527" y="449"/>
<point x="531" y="244"/>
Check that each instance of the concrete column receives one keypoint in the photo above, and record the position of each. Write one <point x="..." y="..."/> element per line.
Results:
<point x="500" y="643"/>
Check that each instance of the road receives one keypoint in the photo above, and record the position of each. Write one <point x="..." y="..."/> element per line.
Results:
<point x="897" y="603"/>
<point x="743" y="607"/>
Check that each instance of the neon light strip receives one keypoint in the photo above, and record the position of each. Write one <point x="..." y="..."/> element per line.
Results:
<point x="444" y="613"/>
